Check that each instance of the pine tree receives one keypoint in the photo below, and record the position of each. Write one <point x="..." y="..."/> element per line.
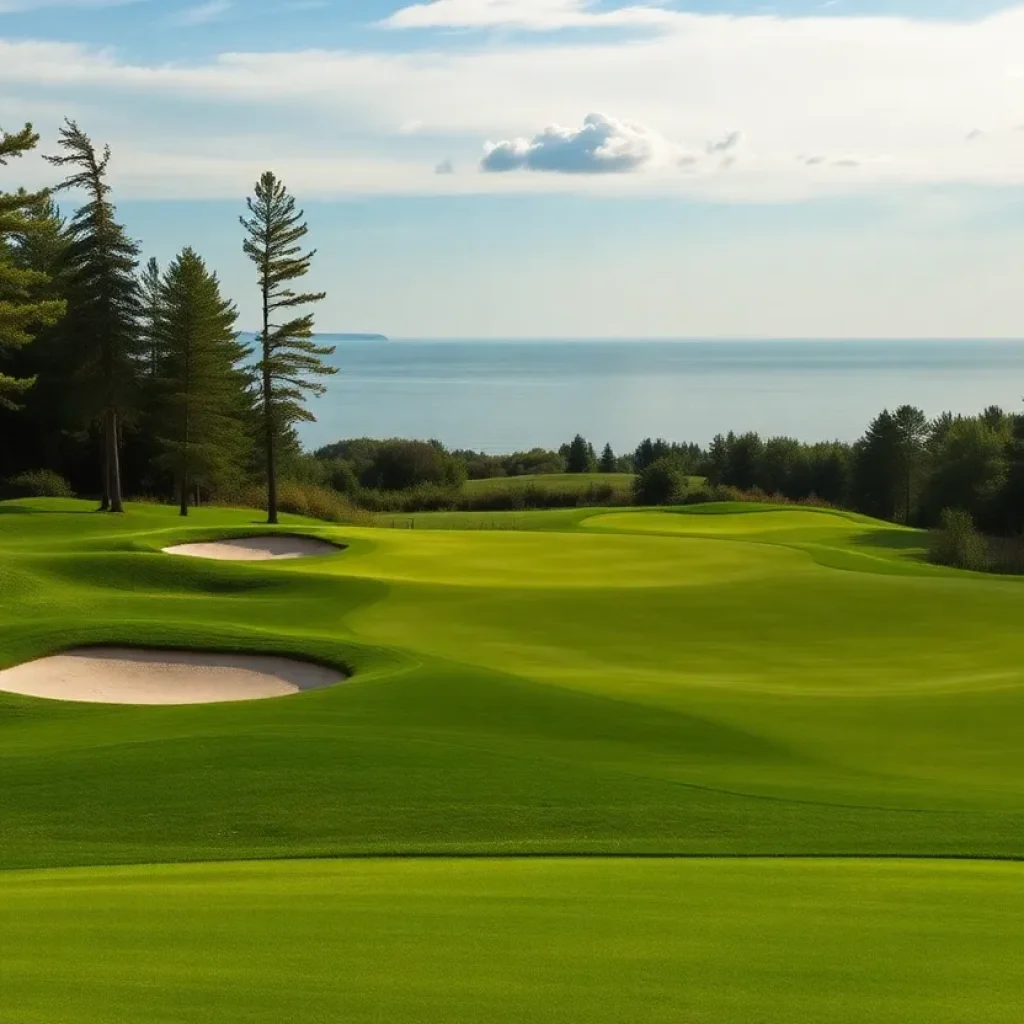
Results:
<point x="608" y="463"/>
<point x="202" y="390"/>
<point x="912" y="439"/>
<point x="878" y="477"/>
<point x="103" y="299"/>
<point x="22" y="312"/>
<point x="579" y="455"/>
<point x="150" y="284"/>
<point x="39" y="433"/>
<point x="289" y="358"/>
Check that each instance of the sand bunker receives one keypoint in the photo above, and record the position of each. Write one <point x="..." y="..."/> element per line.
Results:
<point x="257" y="549"/>
<point x="115" y="675"/>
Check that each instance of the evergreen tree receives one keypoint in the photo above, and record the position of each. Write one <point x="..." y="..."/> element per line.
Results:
<point x="201" y="387"/>
<point x="103" y="298"/>
<point x="579" y="455"/>
<point x="912" y="438"/>
<point x="608" y="462"/>
<point x="42" y="432"/>
<point x="716" y="465"/>
<point x="22" y="311"/>
<point x="878" y="471"/>
<point x="150" y="285"/>
<point x="289" y="358"/>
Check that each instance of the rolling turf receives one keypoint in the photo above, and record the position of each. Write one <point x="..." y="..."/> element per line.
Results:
<point x="720" y="681"/>
<point x="529" y="941"/>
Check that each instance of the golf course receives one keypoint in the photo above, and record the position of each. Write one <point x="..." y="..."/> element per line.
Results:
<point x="725" y="763"/>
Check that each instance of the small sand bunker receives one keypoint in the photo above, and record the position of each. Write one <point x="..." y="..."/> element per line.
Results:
<point x="115" y="675"/>
<point x="257" y="549"/>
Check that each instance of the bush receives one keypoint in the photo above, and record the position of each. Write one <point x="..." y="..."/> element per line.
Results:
<point x="432" y="498"/>
<point x="300" y="500"/>
<point x="38" y="483"/>
<point x="660" y="483"/>
<point x="957" y="543"/>
<point x="422" y="498"/>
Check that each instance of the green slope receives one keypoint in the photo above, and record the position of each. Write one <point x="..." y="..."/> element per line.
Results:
<point x="721" y="681"/>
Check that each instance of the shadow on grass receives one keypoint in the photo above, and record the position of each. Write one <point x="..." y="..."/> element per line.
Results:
<point x="908" y="544"/>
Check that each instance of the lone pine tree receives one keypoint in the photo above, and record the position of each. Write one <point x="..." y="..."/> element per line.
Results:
<point x="201" y="389"/>
<point x="103" y="306"/>
<point x="22" y="311"/>
<point x="289" y="358"/>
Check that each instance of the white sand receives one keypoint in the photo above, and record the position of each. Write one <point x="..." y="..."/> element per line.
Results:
<point x="257" y="549"/>
<point x="116" y="675"/>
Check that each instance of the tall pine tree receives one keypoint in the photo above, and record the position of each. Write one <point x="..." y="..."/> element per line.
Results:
<point x="201" y="386"/>
<point x="104" y="304"/>
<point x="290" y="360"/>
<point x="22" y="312"/>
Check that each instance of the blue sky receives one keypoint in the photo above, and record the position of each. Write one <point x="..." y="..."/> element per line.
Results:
<point x="502" y="168"/>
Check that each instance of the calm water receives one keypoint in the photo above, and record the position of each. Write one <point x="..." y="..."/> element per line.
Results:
<point x="499" y="396"/>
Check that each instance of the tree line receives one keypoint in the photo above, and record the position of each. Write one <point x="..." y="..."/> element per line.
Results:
<point x="119" y="376"/>
<point x="906" y="468"/>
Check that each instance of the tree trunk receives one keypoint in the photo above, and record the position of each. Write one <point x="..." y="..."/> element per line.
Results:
<point x="114" y="462"/>
<point x="105" y="500"/>
<point x="271" y="461"/>
<point x="268" y="413"/>
<point x="184" y="453"/>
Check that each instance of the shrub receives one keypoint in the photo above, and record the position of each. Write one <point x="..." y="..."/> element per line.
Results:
<point x="38" y="483"/>
<point x="422" y="498"/>
<point x="433" y="498"/>
<point x="660" y="483"/>
<point x="957" y="543"/>
<point x="300" y="500"/>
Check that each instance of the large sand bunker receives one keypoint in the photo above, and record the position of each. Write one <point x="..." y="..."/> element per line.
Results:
<point x="116" y="675"/>
<point x="257" y="549"/>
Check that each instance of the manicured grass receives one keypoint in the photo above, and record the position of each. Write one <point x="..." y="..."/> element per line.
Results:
<point x="602" y="941"/>
<point x="633" y="682"/>
<point x="722" y="680"/>
<point x="550" y="482"/>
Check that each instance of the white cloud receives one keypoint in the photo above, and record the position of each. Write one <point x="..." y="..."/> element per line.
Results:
<point x="819" y="106"/>
<point x="601" y="146"/>
<point x="532" y="15"/>
<point x="202" y="14"/>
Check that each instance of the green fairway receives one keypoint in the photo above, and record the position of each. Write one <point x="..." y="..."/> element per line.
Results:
<point x="723" y="680"/>
<point x="848" y="942"/>
<point x="765" y="682"/>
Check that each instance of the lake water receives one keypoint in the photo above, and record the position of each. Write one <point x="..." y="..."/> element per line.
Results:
<point x="500" y="396"/>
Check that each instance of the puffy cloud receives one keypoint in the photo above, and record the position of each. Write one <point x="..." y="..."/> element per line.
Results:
<point x="602" y="145"/>
<point x="445" y="167"/>
<point x="898" y="95"/>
